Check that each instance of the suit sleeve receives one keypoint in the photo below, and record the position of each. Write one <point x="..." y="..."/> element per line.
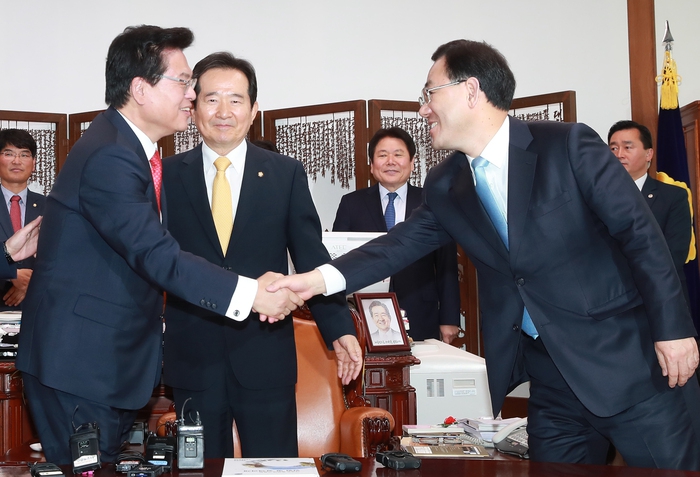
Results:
<point x="7" y="271"/>
<point x="448" y="284"/>
<point x="615" y="200"/>
<point x="114" y="198"/>
<point x="677" y="229"/>
<point x="307" y="251"/>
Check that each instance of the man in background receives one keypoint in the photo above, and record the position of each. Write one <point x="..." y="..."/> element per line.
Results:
<point x="577" y="290"/>
<point x="17" y="162"/>
<point x="631" y="144"/>
<point x="90" y="349"/>
<point x="242" y="208"/>
<point x="427" y="289"/>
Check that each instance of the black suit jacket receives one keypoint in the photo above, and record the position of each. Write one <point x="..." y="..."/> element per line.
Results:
<point x="91" y="321"/>
<point x="428" y="288"/>
<point x="275" y="214"/>
<point x="34" y="208"/>
<point x="671" y="209"/>
<point x="586" y="257"/>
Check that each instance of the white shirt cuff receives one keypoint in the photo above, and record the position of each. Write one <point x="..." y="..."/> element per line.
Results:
<point x="243" y="298"/>
<point x="335" y="281"/>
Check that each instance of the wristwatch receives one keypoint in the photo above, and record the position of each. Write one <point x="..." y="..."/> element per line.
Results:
<point x="8" y="257"/>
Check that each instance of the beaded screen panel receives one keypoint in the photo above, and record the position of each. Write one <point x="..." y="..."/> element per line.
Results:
<point x="324" y="144"/>
<point x="46" y="137"/>
<point x="187" y="139"/>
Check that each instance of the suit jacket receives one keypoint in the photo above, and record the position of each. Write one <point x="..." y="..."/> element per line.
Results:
<point x="275" y="214"/>
<point x="91" y="323"/>
<point x="428" y="289"/>
<point x="670" y="207"/>
<point x="34" y="208"/>
<point x="586" y="258"/>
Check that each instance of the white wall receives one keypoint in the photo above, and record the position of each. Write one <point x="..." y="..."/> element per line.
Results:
<point x="318" y="51"/>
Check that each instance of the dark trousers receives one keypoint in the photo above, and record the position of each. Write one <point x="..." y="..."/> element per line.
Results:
<point x="54" y="414"/>
<point x="266" y="419"/>
<point x="660" y="432"/>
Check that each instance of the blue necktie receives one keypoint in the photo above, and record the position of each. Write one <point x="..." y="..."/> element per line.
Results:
<point x="390" y="212"/>
<point x="499" y="222"/>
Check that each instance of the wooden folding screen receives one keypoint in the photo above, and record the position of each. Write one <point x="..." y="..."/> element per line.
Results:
<point x="327" y="138"/>
<point x="49" y="131"/>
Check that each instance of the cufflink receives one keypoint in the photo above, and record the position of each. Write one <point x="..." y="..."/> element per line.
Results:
<point x="236" y="313"/>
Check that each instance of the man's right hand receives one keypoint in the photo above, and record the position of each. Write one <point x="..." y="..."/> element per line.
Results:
<point x="274" y="305"/>
<point x="305" y="285"/>
<point x="23" y="243"/>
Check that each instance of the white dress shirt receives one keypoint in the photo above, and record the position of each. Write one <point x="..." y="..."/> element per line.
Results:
<point x="399" y="201"/>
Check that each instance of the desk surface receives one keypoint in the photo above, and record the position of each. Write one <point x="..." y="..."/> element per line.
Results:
<point x="429" y="468"/>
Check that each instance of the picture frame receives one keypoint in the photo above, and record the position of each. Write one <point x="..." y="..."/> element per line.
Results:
<point x="384" y="330"/>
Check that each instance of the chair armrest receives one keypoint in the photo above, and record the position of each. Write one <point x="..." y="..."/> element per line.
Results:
<point x="364" y="430"/>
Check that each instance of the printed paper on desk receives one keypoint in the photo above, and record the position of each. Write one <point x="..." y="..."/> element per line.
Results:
<point x="301" y="466"/>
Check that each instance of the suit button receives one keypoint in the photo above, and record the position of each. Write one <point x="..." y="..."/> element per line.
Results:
<point x="213" y="306"/>
<point x="516" y="327"/>
<point x="208" y="304"/>
<point x="202" y="302"/>
<point x="520" y="282"/>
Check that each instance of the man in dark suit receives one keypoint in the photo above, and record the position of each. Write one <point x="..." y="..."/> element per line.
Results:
<point x="577" y="290"/>
<point x="17" y="161"/>
<point x="428" y="289"/>
<point x="631" y="144"/>
<point x="242" y="371"/>
<point x="90" y="347"/>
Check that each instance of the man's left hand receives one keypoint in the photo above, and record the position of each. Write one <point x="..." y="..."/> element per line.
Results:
<point x="349" y="356"/>
<point x="678" y="359"/>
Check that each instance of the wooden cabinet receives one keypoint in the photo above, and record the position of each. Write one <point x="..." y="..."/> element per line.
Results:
<point x="388" y="385"/>
<point x="690" y="117"/>
<point x="15" y="426"/>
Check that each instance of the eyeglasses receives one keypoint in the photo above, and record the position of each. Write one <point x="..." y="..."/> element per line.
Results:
<point x="424" y="97"/>
<point x="188" y="83"/>
<point x="12" y="154"/>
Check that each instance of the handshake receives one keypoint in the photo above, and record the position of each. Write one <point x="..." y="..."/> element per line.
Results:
<point x="278" y="295"/>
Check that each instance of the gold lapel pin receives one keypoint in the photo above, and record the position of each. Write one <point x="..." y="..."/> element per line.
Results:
<point x="651" y="196"/>
<point x="261" y="173"/>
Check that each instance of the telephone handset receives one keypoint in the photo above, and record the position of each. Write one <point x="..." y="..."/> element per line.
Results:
<point x="512" y="439"/>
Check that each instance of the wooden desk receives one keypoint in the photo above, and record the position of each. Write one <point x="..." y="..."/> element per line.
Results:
<point x="429" y="468"/>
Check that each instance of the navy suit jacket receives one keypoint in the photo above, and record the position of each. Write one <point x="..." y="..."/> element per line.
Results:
<point x="586" y="257"/>
<point x="671" y="209"/>
<point x="34" y="208"/>
<point x="275" y="214"/>
<point x="91" y="322"/>
<point x="428" y="289"/>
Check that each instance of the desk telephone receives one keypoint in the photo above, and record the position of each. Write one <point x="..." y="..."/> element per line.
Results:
<point x="512" y="439"/>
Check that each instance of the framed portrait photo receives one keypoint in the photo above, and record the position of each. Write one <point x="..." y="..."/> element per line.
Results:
<point x="381" y="320"/>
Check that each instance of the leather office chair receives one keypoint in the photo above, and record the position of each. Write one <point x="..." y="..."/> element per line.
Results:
<point x="330" y="417"/>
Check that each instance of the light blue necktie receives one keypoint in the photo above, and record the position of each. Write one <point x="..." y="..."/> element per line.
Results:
<point x="390" y="212"/>
<point x="499" y="222"/>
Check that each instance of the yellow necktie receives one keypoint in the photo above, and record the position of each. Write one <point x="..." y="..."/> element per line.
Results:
<point x="221" y="207"/>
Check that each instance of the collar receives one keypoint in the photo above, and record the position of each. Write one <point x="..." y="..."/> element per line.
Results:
<point x="236" y="156"/>
<point x="8" y="194"/>
<point x="401" y="191"/>
<point x="148" y="147"/>
<point x="496" y="151"/>
<point x="640" y="182"/>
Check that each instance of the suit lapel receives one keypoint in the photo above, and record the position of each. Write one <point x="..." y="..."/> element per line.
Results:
<point x="192" y="177"/>
<point x="521" y="175"/>
<point x="413" y="199"/>
<point x="5" y="221"/>
<point x="32" y="211"/>
<point x="373" y="202"/>
<point x="464" y="194"/>
<point x="649" y="191"/>
<point x="255" y="173"/>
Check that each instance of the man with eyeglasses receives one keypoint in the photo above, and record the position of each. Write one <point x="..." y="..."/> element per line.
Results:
<point x="577" y="289"/>
<point x="91" y="343"/>
<point x="17" y="161"/>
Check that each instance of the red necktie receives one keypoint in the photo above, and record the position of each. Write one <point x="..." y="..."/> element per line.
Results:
<point x="15" y="213"/>
<point x="157" y="171"/>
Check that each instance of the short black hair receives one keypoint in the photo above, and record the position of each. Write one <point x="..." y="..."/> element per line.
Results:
<point x="226" y="60"/>
<point x="18" y="138"/>
<point x="137" y="52"/>
<point x="396" y="133"/>
<point x="467" y="58"/>
<point x="644" y="133"/>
